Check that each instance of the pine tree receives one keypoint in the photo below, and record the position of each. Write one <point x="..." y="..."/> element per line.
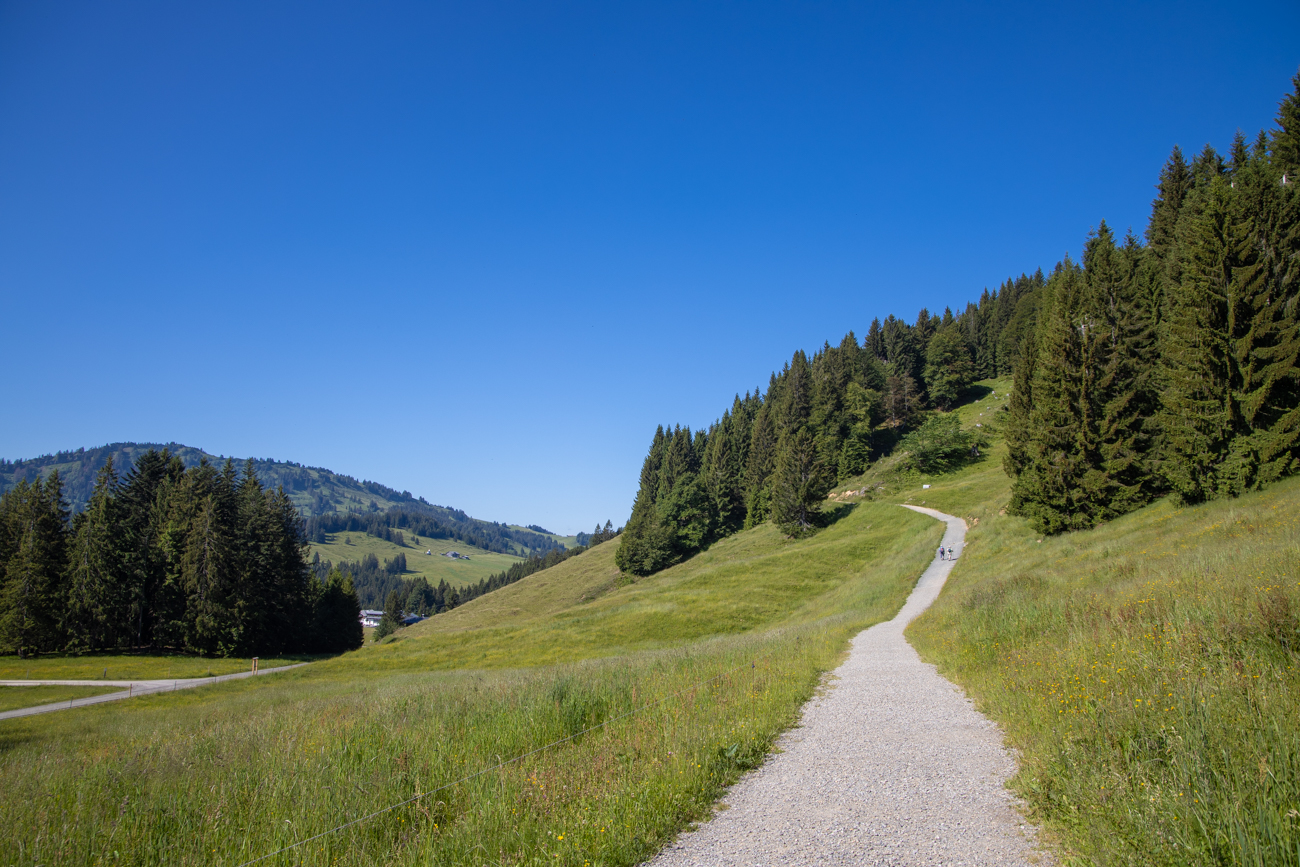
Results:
<point x="647" y="545"/>
<point x="336" y="626"/>
<point x="142" y="510"/>
<point x="1127" y="397"/>
<point x="758" y="471"/>
<point x="98" y="613"/>
<point x="208" y="573"/>
<point x="1198" y="417"/>
<point x="1056" y="487"/>
<point x="949" y="370"/>
<point x="392" y="619"/>
<point x="1162" y="229"/>
<point x="723" y="473"/>
<point x="33" y="592"/>
<point x="1286" y="138"/>
<point x="800" y="484"/>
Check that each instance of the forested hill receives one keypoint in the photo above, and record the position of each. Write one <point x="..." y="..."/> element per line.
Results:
<point x="314" y="491"/>
<point x="1146" y="369"/>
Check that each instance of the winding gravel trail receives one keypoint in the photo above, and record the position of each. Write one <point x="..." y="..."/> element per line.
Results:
<point x="891" y="765"/>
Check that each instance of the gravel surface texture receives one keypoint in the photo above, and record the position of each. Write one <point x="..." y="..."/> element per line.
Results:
<point x="890" y="765"/>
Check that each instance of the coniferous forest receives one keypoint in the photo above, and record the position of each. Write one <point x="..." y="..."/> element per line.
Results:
<point x="199" y="559"/>
<point x="1166" y="365"/>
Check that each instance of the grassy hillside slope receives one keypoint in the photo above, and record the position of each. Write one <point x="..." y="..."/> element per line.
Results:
<point x="750" y="581"/>
<point x="693" y="673"/>
<point x="1148" y="670"/>
<point x="433" y="567"/>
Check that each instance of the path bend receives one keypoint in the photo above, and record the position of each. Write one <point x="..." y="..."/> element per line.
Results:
<point x="890" y="766"/>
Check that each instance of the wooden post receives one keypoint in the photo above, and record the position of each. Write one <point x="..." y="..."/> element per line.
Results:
<point x="254" y="665"/>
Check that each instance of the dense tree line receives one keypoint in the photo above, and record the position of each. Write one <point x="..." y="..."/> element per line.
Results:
<point x="775" y="454"/>
<point x="393" y="524"/>
<point x="198" y="559"/>
<point x="372" y="580"/>
<point x="1170" y="366"/>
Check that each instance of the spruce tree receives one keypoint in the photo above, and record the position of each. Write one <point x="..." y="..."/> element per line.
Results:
<point x="1199" y="417"/>
<point x="799" y="485"/>
<point x="208" y="573"/>
<point x="949" y="370"/>
<point x="646" y="545"/>
<point x="1162" y="228"/>
<point x="1285" y="149"/>
<point x="758" y="471"/>
<point x="34" y="592"/>
<point x="392" y="619"/>
<point x="98" y="613"/>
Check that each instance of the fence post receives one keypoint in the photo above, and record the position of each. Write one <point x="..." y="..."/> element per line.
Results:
<point x="254" y="665"/>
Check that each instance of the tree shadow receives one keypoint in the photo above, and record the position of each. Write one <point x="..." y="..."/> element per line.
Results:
<point x="838" y="513"/>
<point x="973" y="393"/>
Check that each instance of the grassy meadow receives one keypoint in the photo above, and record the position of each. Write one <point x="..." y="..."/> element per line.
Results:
<point x="129" y="666"/>
<point x="693" y="673"/>
<point x="1145" y="671"/>
<point x="434" y="568"/>
<point x="15" y="697"/>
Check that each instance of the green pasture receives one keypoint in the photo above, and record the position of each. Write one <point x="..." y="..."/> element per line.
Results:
<point x="14" y="697"/>
<point x="128" y="666"/>
<point x="433" y="567"/>
<point x="1145" y="671"/>
<point x="696" y="671"/>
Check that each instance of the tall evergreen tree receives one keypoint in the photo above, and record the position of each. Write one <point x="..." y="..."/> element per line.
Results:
<point x="800" y="484"/>
<point x="33" y="592"/>
<point x="98" y="612"/>
<point x="949" y="370"/>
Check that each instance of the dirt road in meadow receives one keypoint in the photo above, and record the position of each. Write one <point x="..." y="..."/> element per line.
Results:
<point x="891" y="765"/>
<point x="131" y="688"/>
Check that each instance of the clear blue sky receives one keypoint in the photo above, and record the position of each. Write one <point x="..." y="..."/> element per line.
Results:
<point x="479" y="250"/>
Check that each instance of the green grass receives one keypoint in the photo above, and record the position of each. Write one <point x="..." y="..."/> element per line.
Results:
<point x="14" y="697"/>
<point x="697" y="670"/>
<point x="128" y="666"/>
<point x="566" y="541"/>
<point x="434" y="568"/>
<point x="1147" y="670"/>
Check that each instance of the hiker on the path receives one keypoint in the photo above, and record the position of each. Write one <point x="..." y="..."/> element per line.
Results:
<point x="940" y="552"/>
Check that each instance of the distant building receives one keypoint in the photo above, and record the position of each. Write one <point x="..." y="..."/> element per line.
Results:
<point x="411" y="618"/>
<point x="370" y="619"/>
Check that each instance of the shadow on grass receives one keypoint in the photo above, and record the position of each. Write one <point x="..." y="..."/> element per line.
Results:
<point x="836" y="514"/>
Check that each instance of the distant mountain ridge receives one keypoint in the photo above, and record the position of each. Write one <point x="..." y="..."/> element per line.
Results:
<point x="315" y="491"/>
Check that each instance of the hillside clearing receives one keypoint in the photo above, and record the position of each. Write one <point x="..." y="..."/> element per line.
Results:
<point x="433" y="567"/>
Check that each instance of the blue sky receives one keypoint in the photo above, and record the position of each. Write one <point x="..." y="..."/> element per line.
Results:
<point x="478" y="251"/>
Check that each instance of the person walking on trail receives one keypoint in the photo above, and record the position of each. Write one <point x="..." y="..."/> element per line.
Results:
<point x="940" y="552"/>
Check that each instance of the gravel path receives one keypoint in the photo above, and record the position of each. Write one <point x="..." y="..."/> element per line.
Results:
<point x="891" y="765"/>
<point x="133" y="688"/>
